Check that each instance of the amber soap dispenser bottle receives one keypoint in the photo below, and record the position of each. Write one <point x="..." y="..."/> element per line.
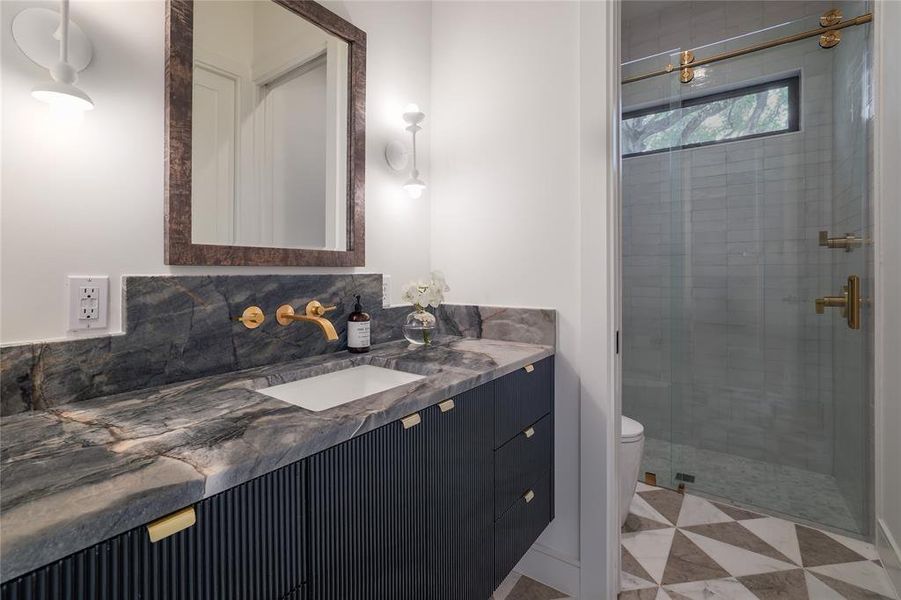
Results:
<point x="358" y="329"/>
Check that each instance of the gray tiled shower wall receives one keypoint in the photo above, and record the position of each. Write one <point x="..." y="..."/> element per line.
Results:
<point x="722" y="349"/>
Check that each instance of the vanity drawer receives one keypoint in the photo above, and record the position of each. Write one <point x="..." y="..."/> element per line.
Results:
<point x="520" y="526"/>
<point x="521" y="462"/>
<point x="522" y="397"/>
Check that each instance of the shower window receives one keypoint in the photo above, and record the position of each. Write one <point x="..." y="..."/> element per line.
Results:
<point x="748" y="112"/>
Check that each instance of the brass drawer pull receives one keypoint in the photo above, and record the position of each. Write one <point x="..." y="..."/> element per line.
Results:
<point x="446" y="405"/>
<point x="411" y="420"/>
<point x="530" y="495"/>
<point x="529" y="368"/>
<point x="529" y="432"/>
<point x="171" y="524"/>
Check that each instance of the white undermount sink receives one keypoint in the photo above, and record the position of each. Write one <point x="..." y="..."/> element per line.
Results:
<point x="339" y="387"/>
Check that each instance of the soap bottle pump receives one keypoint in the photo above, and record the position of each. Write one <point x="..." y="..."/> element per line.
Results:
<point x="358" y="329"/>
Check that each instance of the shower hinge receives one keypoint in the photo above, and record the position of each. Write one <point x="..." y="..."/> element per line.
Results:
<point x="685" y="477"/>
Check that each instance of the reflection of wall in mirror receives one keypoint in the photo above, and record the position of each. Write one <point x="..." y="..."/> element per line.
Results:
<point x="270" y="163"/>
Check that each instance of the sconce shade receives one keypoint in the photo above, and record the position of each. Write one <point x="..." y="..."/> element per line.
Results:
<point x="414" y="186"/>
<point x="63" y="95"/>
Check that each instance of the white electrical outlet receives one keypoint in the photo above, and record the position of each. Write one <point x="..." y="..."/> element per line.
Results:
<point x="88" y="302"/>
<point x="386" y="291"/>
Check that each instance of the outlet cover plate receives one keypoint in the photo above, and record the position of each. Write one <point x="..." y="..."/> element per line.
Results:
<point x="386" y="291"/>
<point x="88" y="302"/>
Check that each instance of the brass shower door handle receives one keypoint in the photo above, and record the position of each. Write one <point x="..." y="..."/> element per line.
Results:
<point x="848" y="302"/>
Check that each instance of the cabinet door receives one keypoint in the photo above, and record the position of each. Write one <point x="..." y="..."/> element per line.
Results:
<point x="247" y="543"/>
<point x="460" y="487"/>
<point x="523" y="397"/>
<point x="368" y="516"/>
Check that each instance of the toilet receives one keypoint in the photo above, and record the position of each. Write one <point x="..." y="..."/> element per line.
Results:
<point x="631" y="446"/>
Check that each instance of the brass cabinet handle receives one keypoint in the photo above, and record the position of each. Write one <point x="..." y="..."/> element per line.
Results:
<point x="411" y="420"/>
<point x="446" y="405"/>
<point x="529" y="368"/>
<point x="529" y="432"/>
<point x="530" y="495"/>
<point x="848" y="302"/>
<point x="171" y="524"/>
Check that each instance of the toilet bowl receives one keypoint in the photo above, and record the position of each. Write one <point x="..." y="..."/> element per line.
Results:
<point x="631" y="447"/>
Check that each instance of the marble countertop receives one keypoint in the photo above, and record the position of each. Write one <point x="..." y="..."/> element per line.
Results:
<point x="80" y="473"/>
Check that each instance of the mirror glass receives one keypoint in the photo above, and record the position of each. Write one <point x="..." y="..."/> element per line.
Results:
<point x="268" y="130"/>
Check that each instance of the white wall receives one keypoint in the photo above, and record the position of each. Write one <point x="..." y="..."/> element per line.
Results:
<point x="505" y="198"/>
<point x="88" y="199"/>
<point x="888" y="289"/>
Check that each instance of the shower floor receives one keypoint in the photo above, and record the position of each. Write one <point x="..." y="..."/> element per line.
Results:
<point x="778" y="489"/>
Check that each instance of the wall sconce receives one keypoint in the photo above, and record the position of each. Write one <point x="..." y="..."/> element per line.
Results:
<point x="52" y="41"/>
<point x="396" y="153"/>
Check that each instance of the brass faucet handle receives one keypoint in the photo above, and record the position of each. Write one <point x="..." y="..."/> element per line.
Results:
<point x="252" y="317"/>
<point x="316" y="309"/>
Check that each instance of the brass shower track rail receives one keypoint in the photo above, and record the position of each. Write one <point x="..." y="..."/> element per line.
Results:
<point x="859" y="20"/>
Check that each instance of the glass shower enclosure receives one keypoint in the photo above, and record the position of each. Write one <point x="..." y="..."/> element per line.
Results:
<point x="746" y="247"/>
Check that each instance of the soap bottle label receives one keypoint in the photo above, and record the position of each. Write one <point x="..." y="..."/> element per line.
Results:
<point x="358" y="334"/>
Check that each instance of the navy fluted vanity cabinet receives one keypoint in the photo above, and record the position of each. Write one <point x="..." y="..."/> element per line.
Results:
<point x="248" y="542"/>
<point x="402" y="512"/>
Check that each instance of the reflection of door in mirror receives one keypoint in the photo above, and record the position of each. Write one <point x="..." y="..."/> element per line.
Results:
<point x="269" y="129"/>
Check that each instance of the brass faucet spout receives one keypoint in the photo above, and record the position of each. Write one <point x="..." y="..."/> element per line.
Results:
<point x="314" y="310"/>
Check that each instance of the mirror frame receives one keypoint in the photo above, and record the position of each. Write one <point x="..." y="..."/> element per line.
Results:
<point x="179" y="247"/>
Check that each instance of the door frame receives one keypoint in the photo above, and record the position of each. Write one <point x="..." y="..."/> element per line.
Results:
<point x="599" y="362"/>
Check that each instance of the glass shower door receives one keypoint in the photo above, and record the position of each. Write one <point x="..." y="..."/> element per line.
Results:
<point x="748" y="395"/>
<point x="769" y="399"/>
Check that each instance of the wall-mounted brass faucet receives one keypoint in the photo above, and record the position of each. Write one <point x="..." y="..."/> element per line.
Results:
<point x="313" y="314"/>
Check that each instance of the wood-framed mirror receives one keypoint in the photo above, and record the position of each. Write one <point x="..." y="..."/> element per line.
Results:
<point x="265" y="134"/>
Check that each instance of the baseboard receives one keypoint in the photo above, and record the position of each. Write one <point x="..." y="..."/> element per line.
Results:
<point x="550" y="567"/>
<point x="889" y="553"/>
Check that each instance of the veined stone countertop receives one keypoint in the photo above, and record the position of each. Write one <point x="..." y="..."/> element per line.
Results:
<point x="80" y="473"/>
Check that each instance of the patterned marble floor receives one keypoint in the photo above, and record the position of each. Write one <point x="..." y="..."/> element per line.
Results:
<point x="789" y="491"/>
<point x="520" y="587"/>
<point x="677" y="547"/>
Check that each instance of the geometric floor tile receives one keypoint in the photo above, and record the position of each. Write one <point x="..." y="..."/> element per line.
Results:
<point x="698" y="511"/>
<point x="779" y="534"/>
<point x="628" y="583"/>
<point x="520" y="587"/>
<point x="688" y="563"/>
<point x="819" y="590"/>
<point x="718" y="551"/>
<point x="529" y="589"/>
<point x="651" y="549"/>
<point x="739" y="514"/>
<point x="635" y="523"/>
<point x="851" y="592"/>
<point x="868" y="551"/>
<point x="640" y="507"/>
<point x="737" y="535"/>
<point x="666" y="502"/>
<point x="865" y="574"/>
<point x="725" y="589"/>
<point x="818" y="549"/>
<point x="738" y="561"/>
<point x="633" y="567"/>
<point x="777" y="586"/>
<point x="645" y="594"/>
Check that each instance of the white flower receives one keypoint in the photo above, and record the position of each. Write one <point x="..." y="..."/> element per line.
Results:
<point x="426" y="293"/>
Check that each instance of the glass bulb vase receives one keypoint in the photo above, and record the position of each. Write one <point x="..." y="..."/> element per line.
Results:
<point x="420" y="327"/>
